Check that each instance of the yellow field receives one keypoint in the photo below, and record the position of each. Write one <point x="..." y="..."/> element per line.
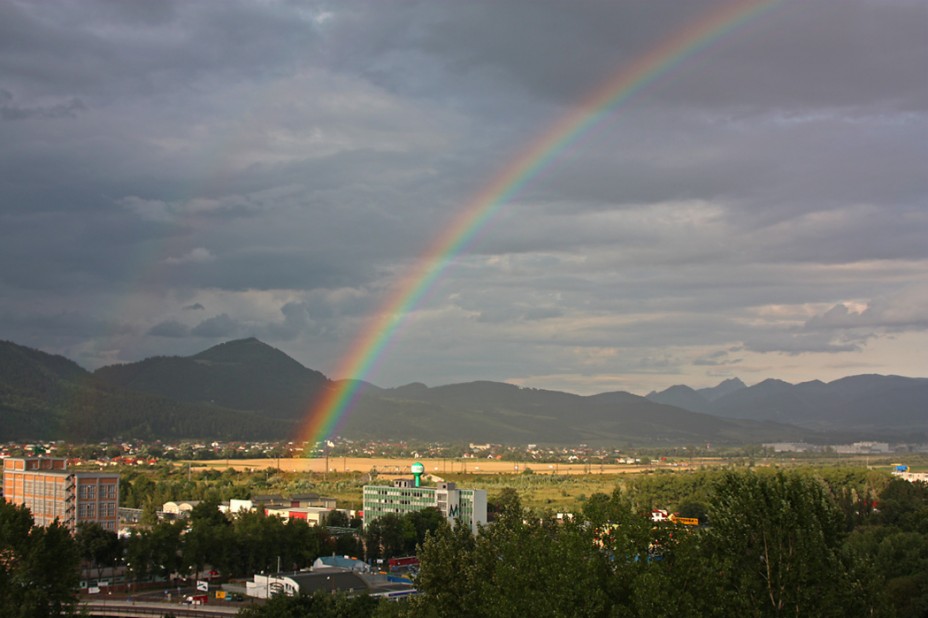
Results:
<point x="555" y="487"/>
<point x="392" y="466"/>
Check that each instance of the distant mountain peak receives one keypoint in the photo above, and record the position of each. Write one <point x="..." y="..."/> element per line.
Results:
<point x="723" y="388"/>
<point x="681" y="396"/>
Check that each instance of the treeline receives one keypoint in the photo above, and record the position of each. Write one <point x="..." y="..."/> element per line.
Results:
<point x="140" y="490"/>
<point x="151" y="489"/>
<point x="777" y="543"/>
<point x="251" y="542"/>
<point x="240" y="546"/>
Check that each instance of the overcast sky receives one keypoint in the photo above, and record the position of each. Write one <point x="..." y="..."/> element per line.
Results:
<point x="178" y="174"/>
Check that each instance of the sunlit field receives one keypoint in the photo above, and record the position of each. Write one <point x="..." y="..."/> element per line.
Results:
<point x="551" y="486"/>
<point x="437" y="467"/>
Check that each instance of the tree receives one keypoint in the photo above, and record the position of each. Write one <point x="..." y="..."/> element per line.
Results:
<point x="446" y="573"/>
<point x="337" y="519"/>
<point x="904" y="504"/>
<point x="776" y="539"/>
<point x="319" y="605"/>
<point x="39" y="566"/>
<point x="97" y="546"/>
<point x="523" y="565"/>
<point x="388" y="536"/>
<point x="149" y="517"/>
<point x="207" y="538"/>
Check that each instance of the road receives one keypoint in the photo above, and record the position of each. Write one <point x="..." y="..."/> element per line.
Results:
<point x="144" y="609"/>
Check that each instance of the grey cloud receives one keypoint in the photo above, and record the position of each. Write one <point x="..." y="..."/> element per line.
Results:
<point x="716" y="359"/>
<point x="10" y="111"/>
<point x="63" y="326"/>
<point x="795" y="343"/>
<point x="171" y="329"/>
<point x="217" y="326"/>
<point x="833" y="53"/>
<point x="296" y="319"/>
<point x="253" y="156"/>
<point x="892" y="314"/>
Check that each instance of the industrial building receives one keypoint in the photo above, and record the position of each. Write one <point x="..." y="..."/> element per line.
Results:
<point x="467" y="506"/>
<point x="326" y="579"/>
<point x="51" y="491"/>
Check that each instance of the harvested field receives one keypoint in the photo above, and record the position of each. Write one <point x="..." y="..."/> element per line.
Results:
<point x="388" y="466"/>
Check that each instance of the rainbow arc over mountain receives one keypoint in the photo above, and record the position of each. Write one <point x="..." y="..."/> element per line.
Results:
<point x="322" y="419"/>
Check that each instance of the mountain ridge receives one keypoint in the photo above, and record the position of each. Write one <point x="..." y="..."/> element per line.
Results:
<point x="866" y="402"/>
<point x="248" y="389"/>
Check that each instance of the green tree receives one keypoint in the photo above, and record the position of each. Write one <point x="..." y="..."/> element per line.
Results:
<point x="904" y="504"/>
<point x="319" y="605"/>
<point x="777" y="539"/>
<point x="39" y="566"/>
<point x="898" y="564"/>
<point x="447" y="574"/>
<point x="389" y="536"/>
<point x="337" y="518"/>
<point x="149" y="517"/>
<point x="523" y="565"/>
<point x="97" y="546"/>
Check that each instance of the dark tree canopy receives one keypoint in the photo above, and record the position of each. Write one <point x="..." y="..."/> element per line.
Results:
<point x="38" y="566"/>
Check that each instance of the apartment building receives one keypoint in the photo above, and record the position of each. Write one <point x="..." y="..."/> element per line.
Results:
<point x="51" y="491"/>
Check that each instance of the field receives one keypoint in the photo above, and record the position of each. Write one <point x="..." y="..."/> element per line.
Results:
<point x="557" y="487"/>
<point x="554" y="486"/>
<point x="436" y="467"/>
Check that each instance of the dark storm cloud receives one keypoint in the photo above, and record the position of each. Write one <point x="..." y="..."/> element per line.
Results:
<point x="284" y="164"/>
<point x="70" y="47"/>
<point x="555" y="50"/>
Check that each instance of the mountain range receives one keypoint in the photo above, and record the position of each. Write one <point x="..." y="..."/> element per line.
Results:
<point x="875" y="404"/>
<point x="248" y="390"/>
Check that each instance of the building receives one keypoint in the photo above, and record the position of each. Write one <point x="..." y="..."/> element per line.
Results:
<point x="330" y="579"/>
<point x="236" y="506"/>
<point x="469" y="506"/>
<point x="312" y="515"/>
<point x="180" y="509"/>
<point x="51" y="491"/>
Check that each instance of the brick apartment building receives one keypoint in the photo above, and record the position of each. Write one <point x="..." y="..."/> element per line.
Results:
<point x="51" y="491"/>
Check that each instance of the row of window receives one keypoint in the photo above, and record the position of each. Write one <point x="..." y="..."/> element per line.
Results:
<point x="88" y="510"/>
<point x="88" y="492"/>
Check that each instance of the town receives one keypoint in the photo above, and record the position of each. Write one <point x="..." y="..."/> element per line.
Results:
<point x="176" y="523"/>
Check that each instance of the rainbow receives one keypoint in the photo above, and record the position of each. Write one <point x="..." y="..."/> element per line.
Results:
<point x="367" y="348"/>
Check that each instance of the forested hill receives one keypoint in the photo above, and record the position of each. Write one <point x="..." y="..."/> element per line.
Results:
<point x="245" y="374"/>
<point x="50" y="397"/>
<point x="246" y="389"/>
